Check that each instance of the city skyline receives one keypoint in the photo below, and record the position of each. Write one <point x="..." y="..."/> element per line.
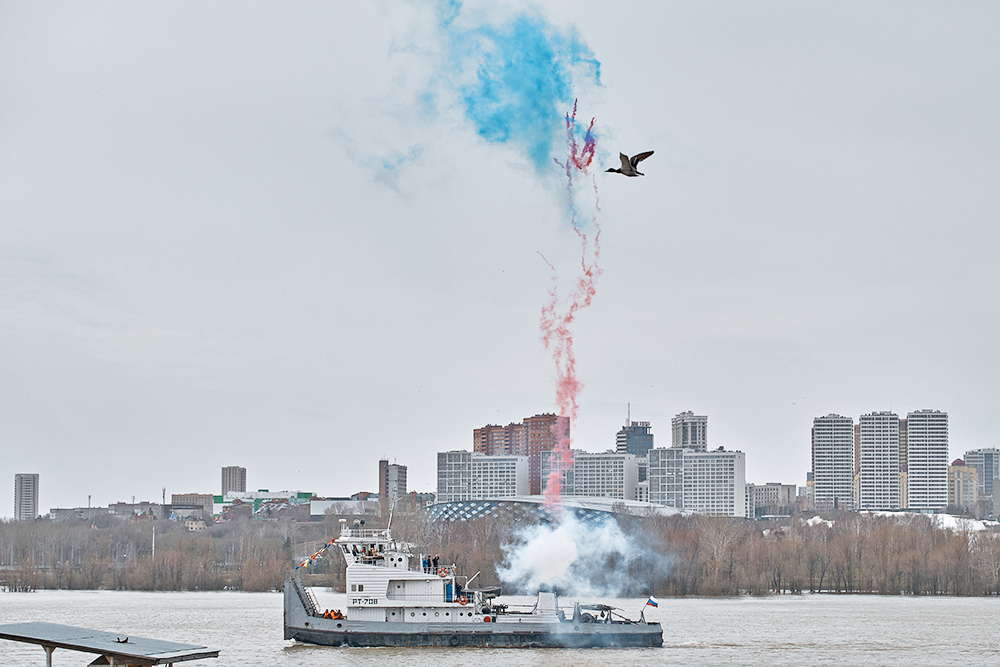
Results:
<point x="688" y="430"/>
<point x="249" y="245"/>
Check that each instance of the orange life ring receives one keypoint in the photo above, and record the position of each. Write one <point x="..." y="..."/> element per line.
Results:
<point x="462" y="600"/>
<point x="487" y="619"/>
<point x="442" y="572"/>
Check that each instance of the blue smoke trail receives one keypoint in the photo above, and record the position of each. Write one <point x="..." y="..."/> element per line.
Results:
<point x="525" y="71"/>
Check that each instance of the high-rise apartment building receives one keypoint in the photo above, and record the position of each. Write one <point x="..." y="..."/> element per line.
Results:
<point x="530" y="438"/>
<point x="494" y="440"/>
<point x="689" y="430"/>
<point x="543" y="432"/>
<point x="711" y="483"/>
<point x="454" y="476"/>
<point x="833" y="462"/>
<point x="234" y="480"/>
<point x="25" y="496"/>
<point x="715" y="483"/>
<point x="499" y="476"/>
<point x="391" y="481"/>
<point x="666" y="476"/>
<point x="634" y="438"/>
<point x="475" y="476"/>
<point x="879" y="448"/>
<point x="597" y="475"/>
<point x="926" y="460"/>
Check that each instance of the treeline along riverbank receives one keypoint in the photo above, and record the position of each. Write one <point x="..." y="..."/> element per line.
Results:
<point x="665" y="556"/>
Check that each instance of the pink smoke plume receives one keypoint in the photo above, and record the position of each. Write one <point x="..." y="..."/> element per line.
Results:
<point x="555" y="321"/>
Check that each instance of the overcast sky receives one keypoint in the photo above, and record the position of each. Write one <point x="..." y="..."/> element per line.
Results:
<point x="275" y="236"/>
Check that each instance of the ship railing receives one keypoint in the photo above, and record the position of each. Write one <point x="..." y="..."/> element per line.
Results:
<point x="364" y="532"/>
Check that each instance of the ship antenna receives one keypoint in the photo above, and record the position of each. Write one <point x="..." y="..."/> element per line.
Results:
<point x="392" y="509"/>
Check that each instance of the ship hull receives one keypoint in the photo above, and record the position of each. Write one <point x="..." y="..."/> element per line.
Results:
<point x="497" y="636"/>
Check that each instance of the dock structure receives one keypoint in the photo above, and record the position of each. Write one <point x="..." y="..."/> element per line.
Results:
<point x="111" y="648"/>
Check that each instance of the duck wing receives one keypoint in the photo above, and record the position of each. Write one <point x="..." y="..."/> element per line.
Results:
<point x="625" y="163"/>
<point x="636" y="159"/>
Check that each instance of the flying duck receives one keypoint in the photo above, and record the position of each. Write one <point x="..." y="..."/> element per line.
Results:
<point x="628" y="166"/>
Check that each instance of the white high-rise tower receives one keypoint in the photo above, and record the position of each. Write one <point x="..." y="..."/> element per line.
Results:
<point x="880" y="461"/>
<point x="927" y="460"/>
<point x="833" y="462"/>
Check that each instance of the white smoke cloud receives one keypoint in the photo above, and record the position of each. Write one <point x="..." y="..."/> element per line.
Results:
<point x="578" y="558"/>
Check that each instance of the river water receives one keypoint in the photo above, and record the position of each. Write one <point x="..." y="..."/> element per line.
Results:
<point x="783" y="630"/>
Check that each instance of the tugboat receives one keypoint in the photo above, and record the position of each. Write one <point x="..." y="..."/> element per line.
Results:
<point x="397" y="599"/>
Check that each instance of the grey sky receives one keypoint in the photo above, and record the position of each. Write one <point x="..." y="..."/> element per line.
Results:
<point x="205" y="262"/>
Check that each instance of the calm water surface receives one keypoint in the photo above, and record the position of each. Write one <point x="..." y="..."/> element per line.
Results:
<point x="799" y="630"/>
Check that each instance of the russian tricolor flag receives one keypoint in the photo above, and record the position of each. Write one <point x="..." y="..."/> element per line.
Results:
<point x="652" y="602"/>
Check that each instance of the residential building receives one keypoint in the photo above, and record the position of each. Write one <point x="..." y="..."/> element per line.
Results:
<point x="771" y="498"/>
<point x="714" y="483"/>
<point x="499" y="476"/>
<point x="494" y="440"/>
<point x="711" y="483"/>
<point x="926" y="460"/>
<point x="833" y="463"/>
<point x="986" y="461"/>
<point x="666" y="477"/>
<point x="689" y="430"/>
<point x="25" y="496"/>
<point x="543" y="432"/>
<point x="530" y="438"/>
<point x="194" y="524"/>
<point x="474" y="476"/>
<point x="391" y="480"/>
<point x="963" y="491"/>
<point x="234" y="479"/>
<point x="600" y="475"/>
<point x="879" y="445"/>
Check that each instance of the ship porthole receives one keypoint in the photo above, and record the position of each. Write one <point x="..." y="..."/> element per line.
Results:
<point x="447" y="613"/>
<point x="340" y="625"/>
<point x="412" y="614"/>
<point x="453" y="640"/>
<point x="437" y="614"/>
<point x="576" y="627"/>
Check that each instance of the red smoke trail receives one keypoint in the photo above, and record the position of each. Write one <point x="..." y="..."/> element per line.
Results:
<point x="555" y="322"/>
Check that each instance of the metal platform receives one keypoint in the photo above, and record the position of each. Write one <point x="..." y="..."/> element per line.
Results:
<point x="111" y="648"/>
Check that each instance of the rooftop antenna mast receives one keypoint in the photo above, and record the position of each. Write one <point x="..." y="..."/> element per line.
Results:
<point x="628" y="418"/>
